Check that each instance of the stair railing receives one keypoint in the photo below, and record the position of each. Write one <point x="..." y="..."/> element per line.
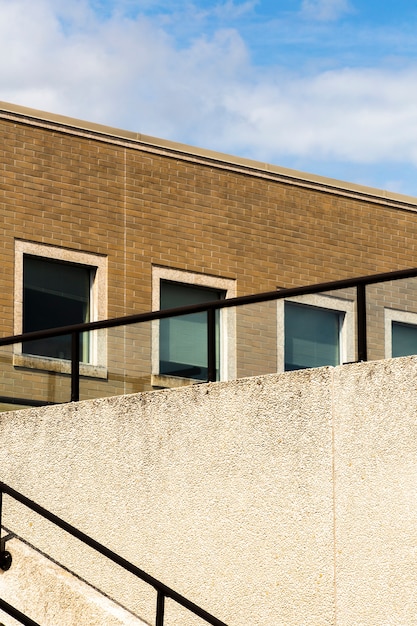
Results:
<point x="163" y="591"/>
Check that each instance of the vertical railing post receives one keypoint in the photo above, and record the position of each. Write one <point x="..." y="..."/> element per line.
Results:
<point x="211" y="345"/>
<point x="361" y="321"/>
<point x="160" y="608"/>
<point x="1" y="513"/>
<point x="75" y="366"/>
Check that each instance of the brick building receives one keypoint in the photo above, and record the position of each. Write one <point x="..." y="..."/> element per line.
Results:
<point x="101" y="223"/>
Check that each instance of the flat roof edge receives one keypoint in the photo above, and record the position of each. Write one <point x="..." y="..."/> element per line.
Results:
<point x="287" y="174"/>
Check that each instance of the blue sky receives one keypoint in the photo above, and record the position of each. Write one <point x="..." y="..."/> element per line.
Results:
<point x="324" y="86"/>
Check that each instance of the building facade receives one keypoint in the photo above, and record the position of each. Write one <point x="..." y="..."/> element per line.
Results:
<point x="101" y="223"/>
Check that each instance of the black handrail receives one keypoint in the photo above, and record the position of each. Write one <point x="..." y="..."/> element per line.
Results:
<point x="18" y="615"/>
<point x="360" y="283"/>
<point x="163" y="591"/>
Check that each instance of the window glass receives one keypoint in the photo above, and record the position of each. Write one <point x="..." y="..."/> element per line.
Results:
<point x="183" y="339"/>
<point x="404" y="339"/>
<point x="312" y="336"/>
<point x="54" y="294"/>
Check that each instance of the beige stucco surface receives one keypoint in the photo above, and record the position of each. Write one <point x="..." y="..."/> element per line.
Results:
<point x="285" y="499"/>
<point x="376" y="493"/>
<point x="44" y="588"/>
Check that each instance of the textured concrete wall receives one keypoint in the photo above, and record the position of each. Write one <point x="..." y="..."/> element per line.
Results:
<point x="52" y="596"/>
<point x="375" y="431"/>
<point x="285" y="499"/>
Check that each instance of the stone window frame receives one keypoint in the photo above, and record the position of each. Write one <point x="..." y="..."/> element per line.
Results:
<point x="97" y="365"/>
<point x="345" y="306"/>
<point x="395" y="315"/>
<point x="227" y="322"/>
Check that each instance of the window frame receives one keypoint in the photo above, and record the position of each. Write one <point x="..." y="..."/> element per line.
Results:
<point x="344" y="306"/>
<point x="408" y="318"/>
<point x="97" y="363"/>
<point x="227" y="322"/>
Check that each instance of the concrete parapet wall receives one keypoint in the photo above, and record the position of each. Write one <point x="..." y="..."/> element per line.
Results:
<point x="284" y="499"/>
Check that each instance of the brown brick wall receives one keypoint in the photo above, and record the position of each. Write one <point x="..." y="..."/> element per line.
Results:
<point x="141" y="207"/>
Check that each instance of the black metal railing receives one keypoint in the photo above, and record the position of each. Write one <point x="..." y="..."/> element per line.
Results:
<point x="162" y="591"/>
<point x="360" y="283"/>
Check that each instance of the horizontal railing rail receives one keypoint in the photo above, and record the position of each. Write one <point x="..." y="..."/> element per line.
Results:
<point x="163" y="591"/>
<point x="360" y="283"/>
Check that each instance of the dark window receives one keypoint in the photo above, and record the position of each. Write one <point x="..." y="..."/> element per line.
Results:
<point x="183" y="339"/>
<point x="404" y="339"/>
<point x="55" y="294"/>
<point x="312" y="336"/>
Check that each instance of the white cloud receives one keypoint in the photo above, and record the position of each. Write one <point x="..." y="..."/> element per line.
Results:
<point x="359" y="115"/>
<point x="132" y="73"/>
<point x="325" y="10"/>
<point x="233" y="10"/>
